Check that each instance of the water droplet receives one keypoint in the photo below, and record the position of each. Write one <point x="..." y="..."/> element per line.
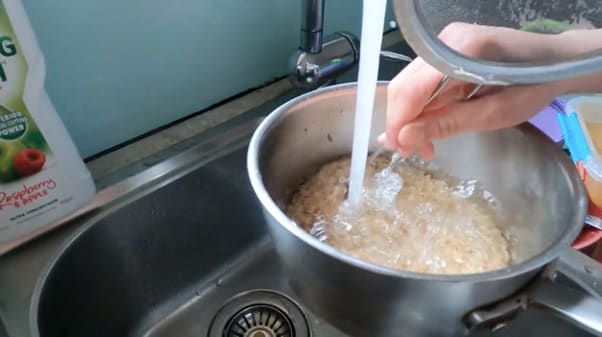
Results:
<point x="387" y="185"/>
<point x="465" y="189"/>
<point x="498" y="326"/>
<point x="318" y="230"/>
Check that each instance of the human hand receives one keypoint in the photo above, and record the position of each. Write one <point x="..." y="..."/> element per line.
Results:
<point x="413" y="126"/>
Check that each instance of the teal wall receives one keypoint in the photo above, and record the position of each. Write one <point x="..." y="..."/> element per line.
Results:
<point x="119" y="68"/>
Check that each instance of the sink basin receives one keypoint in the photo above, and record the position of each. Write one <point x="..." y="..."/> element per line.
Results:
<point x="189" y="257"/>
<point x="179" y="248"/>
<point x="167" y="262"/>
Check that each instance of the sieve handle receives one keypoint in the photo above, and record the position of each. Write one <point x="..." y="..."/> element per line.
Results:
<point x="582" y="307"/>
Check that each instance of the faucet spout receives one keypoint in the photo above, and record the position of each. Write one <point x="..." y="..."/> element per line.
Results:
<point x="320" y="60"/>
<point x="312" y="23"/>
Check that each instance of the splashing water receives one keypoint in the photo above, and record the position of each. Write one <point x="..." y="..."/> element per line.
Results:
<point x="373" y="17"/>
<point x="413" y="216"/>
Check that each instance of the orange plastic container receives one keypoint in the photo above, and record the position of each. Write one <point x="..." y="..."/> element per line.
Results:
<point x="589" y="240"/>
<point x="581" y="125"/>
<point x="582" y="128"/>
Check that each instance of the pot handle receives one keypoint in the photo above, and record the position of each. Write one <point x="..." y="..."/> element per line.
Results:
<point x="555" y="290"/>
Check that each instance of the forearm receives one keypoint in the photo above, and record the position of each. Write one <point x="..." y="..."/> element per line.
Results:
<point x="573" y="43"/>
<point x="518" y="46"/>
<point x="512" y="45"/>
<point x="576" y="43"/>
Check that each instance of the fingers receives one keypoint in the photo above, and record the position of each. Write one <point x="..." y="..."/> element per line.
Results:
<point x="406" y="97"/>
<point x="456" y="91"/>
<point x="412" y="126"/>
<point x="427" y="152"/>
<point x="504" y="108"/>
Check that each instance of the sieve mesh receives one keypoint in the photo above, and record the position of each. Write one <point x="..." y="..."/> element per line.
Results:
<point x="512" y="13"/>
<point x="421" y="21"/>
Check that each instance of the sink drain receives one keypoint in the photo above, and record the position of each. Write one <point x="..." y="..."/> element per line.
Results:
<point x="260" y="321"/>
<point x="260" y="313"/>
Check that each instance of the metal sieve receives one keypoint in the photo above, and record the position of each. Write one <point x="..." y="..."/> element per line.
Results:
<point x="421" y="21"/>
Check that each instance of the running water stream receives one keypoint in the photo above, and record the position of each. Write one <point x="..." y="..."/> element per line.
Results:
<point x="373" y="17"/>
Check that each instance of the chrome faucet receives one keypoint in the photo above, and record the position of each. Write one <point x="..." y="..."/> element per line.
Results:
<point x="318" y="61"/>
<point x="312" y="23"/>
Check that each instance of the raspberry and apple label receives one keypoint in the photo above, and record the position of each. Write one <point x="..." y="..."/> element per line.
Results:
<point x="23" y="148"/>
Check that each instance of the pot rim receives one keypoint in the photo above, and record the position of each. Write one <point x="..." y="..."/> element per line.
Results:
<point x="533" y="263"/>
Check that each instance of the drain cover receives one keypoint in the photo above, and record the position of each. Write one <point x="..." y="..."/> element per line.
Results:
<point x="260" y="321"/>
<point x="260" y="313"/>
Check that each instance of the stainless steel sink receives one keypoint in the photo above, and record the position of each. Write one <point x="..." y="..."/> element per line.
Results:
<point x="179" y="249"/>
<point x="166" y="261"/>
<point x="189" y="257"/>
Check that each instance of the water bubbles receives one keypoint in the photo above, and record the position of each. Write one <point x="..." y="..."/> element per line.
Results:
<point x="343" y="222"/>
<point x="318" y="230"/>
<point x="458" y="260"/>
<point x="343" y="181"/>
<point x="490" y="199"/>
<point x="387" y="185"/>
<point x="433" y="229"/>
<point x="465" y="189"/>
<point x="410" y="218"/>
<point x="425" y="208"/>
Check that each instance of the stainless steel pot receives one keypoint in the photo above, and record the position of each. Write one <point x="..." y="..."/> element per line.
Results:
<point x="534" y="181"/>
